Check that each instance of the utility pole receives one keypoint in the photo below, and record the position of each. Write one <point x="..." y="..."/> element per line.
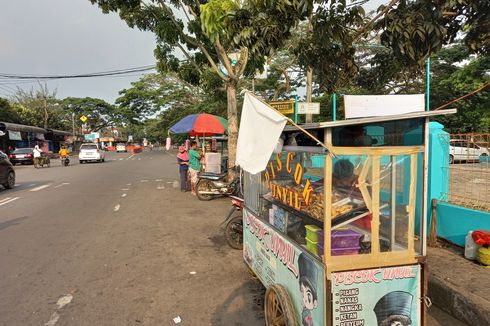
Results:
<point x="45" y="113"/>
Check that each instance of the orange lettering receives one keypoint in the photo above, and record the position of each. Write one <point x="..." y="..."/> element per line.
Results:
<point x="278" y="162"/>
<point x="307" y="192"/>
<point x="267" y="177"/>
<point x="298" y="173"/>
<point x="288" y="162"/>
<point x="272" y="170"/>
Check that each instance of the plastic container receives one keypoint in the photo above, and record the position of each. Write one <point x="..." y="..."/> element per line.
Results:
<point x="314" y="233"/>
<point x="345" y="251"/>
<point x="312" y="246"/>
<point x="470" y="247"/>
<point x="345" y="239"/>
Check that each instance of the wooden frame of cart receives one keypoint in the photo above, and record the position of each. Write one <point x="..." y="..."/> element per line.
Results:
<point x="340" y="238"/>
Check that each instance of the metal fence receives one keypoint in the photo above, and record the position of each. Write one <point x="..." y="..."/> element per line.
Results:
<point x="468" y="170"/>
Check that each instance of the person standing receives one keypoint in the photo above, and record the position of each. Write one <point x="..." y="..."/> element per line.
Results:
<point x="37" y="152"/>
<point x="183" y="160"/>
<point x="194" y="165"/>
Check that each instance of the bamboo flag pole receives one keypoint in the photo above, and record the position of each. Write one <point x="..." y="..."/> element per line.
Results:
<point x="328" y="148"/>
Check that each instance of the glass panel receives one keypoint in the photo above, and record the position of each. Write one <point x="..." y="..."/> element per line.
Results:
<point x="390" y="133"/>
<point x="293" y="197"/>
<point x="351" y="201"/>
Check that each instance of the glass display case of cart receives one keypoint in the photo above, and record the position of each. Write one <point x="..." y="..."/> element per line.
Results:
<point x="354" y="209"/>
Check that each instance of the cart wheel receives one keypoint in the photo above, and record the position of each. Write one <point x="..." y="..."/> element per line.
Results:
<point x="234" y="232"/>
<point x="278" y="307"/>
<point x="203" y="185"/>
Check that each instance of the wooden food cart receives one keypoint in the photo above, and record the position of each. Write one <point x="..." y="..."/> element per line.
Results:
<point x="340" y="239"/>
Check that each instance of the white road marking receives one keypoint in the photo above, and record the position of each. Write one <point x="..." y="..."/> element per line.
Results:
<point x="63" y="301"/>
<point x="116" y="208"/>
<point x="160" y="187"/>
<point x="40" y="188"/>
<point x="8" y="200"/>
<point x="143" y="180"/>
<point x="131" y="156"/>
<point x="121" y="159"/>
<point x="128" y="184"/>
<point x="124" y="195"/>
<point x="125" y="189"/>
<point x="139" y="158"/>
<point x="63" y="184"/>
<point x="158" y="180"/>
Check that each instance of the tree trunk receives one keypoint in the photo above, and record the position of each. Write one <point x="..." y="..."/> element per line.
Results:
<point x="46" y="114"/>
<point x="232" y="125"/>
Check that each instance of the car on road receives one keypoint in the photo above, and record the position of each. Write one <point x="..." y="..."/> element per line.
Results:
<point x="91" y="152"/>
<point x="120" y="147"/>
<point x="22" y="156"/>
<point x="464" y="150"/>
<point x="7" y="173"/>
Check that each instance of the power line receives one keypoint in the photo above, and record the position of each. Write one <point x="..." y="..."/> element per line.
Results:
<point x="85" y="75"/>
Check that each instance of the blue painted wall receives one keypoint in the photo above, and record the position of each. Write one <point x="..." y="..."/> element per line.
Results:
<point x="454" y="222"/>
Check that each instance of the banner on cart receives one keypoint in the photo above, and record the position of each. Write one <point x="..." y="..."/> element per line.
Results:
<point x="277" y="260"/>
<point x="381" y="296"/>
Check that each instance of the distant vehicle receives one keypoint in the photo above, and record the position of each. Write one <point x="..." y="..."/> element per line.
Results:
<point x="22" y="156"/>
<point x="7" y="173"/>
<point x="463" y="150"/>
<point x="121" y="147"/>
<point x="91" y="152"/>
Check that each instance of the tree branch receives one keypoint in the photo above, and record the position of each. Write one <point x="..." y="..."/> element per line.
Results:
<point x="363" y="29"/>
<point x="224" y="58"/>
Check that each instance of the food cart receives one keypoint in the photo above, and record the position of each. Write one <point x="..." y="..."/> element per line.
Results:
<point x="339" y="238"/>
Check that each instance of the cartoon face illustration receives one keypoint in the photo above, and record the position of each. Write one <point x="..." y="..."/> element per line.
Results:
<point x="308" y="280"/>
<point x="309" y="296"/>
<point x="394" y="309"/>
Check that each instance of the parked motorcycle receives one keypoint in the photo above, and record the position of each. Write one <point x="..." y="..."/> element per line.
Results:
<point x="211" y="185"/>
<point x="234" y="224"/>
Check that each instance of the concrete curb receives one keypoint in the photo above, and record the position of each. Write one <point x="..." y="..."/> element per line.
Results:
<point x="466" y="307"/>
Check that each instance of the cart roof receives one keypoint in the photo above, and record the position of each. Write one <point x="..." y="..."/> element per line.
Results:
<point x="349" y="122"/>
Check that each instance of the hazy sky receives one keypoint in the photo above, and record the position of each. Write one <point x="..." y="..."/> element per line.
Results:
<point x="71" y="37"/>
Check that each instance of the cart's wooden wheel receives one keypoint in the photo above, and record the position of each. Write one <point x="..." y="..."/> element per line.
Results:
<point x="279" y="310"/>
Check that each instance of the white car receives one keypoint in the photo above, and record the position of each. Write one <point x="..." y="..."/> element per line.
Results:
<point x="463" y="150"/>
<point x="91" y="152"/>
<point x="121" y="148"/>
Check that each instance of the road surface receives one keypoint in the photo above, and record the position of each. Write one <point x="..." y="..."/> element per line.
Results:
<point x="115" y="244"/>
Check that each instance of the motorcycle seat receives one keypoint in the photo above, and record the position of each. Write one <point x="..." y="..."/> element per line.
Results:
<point x="210" y="175"/>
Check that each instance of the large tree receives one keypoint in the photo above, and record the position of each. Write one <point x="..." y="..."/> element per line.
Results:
<point x="210" y="32"/>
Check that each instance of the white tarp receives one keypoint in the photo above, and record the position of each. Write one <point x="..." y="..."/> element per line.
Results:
<point x="361" y="106"/>
<point x="15" y="135"/>
<point x="260" y="129"/>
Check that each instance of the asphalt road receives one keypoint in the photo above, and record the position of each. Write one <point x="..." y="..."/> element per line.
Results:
<point x="115" y="243"/>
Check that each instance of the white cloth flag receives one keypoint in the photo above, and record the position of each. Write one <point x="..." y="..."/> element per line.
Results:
<point x="260" y="129"/>
<point x="360" y="106"/>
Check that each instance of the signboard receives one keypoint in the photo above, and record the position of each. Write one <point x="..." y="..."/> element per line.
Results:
<point x="308" y="108"/>
<point x="285" y="107"/>
<point x="277" y="260"/>
<point x="92" y="136"/>
<point x="83" y="118"/>
<point x="381" y="296"/>
<point x="361" y="106"/>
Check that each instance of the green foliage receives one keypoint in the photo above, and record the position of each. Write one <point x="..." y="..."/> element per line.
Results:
<point x="100" y="114"/>
<point x="7" y="113"/>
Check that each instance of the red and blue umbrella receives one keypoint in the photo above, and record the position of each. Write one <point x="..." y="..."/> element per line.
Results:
<point x="201" y="124"/>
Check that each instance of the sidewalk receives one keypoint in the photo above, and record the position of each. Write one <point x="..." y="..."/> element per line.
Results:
<point x="459" y="286"/>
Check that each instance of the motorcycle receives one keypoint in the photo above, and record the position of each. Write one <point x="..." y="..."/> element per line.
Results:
<point x="65" y="160"/>
<point x="234" y="224"/>
<point x="211" y="185"/>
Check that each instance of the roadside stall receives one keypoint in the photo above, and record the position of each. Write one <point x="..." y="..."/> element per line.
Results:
<point x="335" y="229"/>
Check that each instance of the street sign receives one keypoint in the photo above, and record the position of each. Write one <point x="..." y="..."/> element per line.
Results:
<point x="308" y="108"/>
<point x="83" y="118"/>
<point x="284" y="107"/>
